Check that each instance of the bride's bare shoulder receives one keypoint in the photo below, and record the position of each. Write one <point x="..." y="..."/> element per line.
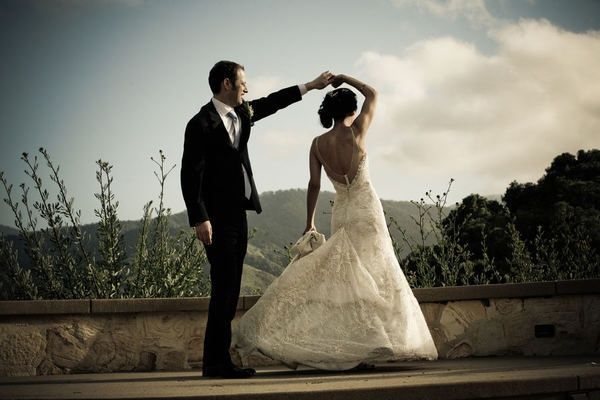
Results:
<point x="321" y="139"/>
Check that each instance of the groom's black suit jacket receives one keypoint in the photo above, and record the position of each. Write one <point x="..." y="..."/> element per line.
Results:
<point x="212" y="180"/>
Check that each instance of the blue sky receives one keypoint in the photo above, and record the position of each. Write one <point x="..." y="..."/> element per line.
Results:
<point x="485" y="92"/>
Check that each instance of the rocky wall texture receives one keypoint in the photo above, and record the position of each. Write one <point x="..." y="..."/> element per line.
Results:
<point x="508" y="326"/>
<point x="40" y="345"/>
<point x="143" y="341"/>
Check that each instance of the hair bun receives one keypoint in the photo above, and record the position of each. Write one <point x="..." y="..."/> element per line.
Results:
<point x="325" y="117"/>
<point x="336" y="105"/>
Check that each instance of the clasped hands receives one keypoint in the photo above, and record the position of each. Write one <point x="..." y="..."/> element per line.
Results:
<point x="324" y="79"/>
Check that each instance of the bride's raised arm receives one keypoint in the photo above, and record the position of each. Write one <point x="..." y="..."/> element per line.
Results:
<point x="362" y="122"/>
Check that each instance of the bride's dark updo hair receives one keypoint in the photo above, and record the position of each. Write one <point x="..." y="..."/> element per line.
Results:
<point x="336" y="105"/>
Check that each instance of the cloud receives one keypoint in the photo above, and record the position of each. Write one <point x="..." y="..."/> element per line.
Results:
<point x="447" y="109"/>
<point x="281" y="144"/>
<point x="260" y="86"/>
<point x="474" y="11"/>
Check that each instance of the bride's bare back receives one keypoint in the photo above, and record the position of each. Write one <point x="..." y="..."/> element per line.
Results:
<point x="339" y="153"/>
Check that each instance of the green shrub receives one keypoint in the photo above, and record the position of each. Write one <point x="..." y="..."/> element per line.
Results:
<point x="64" y="262"/>
<point x="478" y="242"/>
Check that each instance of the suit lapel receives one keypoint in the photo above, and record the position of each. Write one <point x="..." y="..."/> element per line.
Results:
<point x="245" y="135"/>
<point x="216" y="123"/>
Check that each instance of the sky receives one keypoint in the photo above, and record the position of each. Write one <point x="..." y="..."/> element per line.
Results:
<point x="484" y="92"/>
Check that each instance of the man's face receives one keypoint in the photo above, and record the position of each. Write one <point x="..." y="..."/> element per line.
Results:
<point x="239" y="90"/>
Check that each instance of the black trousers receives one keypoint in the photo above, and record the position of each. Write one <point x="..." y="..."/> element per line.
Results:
<point x="226" y="257"/>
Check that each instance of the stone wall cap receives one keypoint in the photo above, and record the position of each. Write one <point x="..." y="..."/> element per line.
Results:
<point x="471" y="292"/>
<point x="33" y="307"/>
<point x="579" y="286"/>
<point x="100" y="306"/>
<point x="423" y="295"/>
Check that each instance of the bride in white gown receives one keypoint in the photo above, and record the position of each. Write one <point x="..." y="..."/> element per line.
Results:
<point x="347" y="302"/>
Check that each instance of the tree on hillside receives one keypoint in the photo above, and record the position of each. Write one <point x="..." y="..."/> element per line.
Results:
<point x="565" y="202"/>
<point x="563" y="205"/>
<point x="483" y="232"/>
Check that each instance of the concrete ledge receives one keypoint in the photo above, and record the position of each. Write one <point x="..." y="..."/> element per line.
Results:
<point x="100" y="306"/>
<point x="423" y="295"/>
<point x="474" y="292"/>
<point x="581" y="286"/>
<point x="33" y="307"/>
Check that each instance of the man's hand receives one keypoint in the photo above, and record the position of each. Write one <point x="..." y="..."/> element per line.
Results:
<point x="204" y="232"/>
<point x="320" y="81"/>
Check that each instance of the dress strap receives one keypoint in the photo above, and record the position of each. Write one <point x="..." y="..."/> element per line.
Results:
<point x="354" y="137"/>
<point x="319" y="153"/>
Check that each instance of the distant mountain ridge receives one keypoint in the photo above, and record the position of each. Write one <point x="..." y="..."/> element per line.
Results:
<point x="7" y="230"/>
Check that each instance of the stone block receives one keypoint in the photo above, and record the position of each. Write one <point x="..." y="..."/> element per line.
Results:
<point x="432" y="313"/>
<point x="174" y="360"/>
<point x="198" y="324"/>
<point x="101" y="353"/>
<point x="47" y="367"/>
<point x="519" y="330"/>
<point x="146" y="361"/>
<point x="21" y="350"/>
<point x="195" y="349"/>
<point x="591" y="312"/>
<point x="457" y="317"/>
<point x="462" y="349"/>
<point x="165" y="330"/>
<point x="68" y="345"/>
<point x="504" y="308"/>
<point x="487" y="337"/>
<point x="564" y="312"/>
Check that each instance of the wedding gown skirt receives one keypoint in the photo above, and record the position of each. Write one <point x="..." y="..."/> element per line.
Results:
<point x="346" y="302"/>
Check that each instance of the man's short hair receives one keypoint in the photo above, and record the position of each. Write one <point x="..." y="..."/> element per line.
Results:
<point x="220" y="71"/>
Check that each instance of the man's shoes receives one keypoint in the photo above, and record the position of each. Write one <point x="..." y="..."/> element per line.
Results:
<point x="229" y="372"/>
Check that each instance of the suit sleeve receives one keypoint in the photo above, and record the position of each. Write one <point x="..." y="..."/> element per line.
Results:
<point x="193" y="165"/>
<point x="266" y="106"/>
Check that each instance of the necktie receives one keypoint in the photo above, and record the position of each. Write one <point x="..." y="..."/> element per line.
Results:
<point x="233" y="135"/>
<point x="235" y="140"/>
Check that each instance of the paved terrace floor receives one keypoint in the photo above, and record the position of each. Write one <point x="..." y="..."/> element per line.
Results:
<point x="567" y="377"/>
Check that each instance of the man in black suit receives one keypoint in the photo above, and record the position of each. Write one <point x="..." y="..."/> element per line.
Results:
<point x="218" y="187"/>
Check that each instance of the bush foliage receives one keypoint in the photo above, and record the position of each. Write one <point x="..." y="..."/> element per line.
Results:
<point x="62" y="263"/>
<point x="545" y="231"/>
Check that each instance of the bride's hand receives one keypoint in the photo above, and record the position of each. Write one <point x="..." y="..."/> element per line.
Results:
<point x="309" y="228"/>
<point x="337" y="80"/>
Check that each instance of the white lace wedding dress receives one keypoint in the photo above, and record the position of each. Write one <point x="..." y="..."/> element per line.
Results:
<point x="346" y="302"/>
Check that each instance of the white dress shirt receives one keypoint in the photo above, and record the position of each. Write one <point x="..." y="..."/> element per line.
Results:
<point x="235" y="130"/>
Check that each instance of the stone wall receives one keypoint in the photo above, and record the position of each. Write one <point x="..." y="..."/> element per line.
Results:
<point x="64" y="336"/>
